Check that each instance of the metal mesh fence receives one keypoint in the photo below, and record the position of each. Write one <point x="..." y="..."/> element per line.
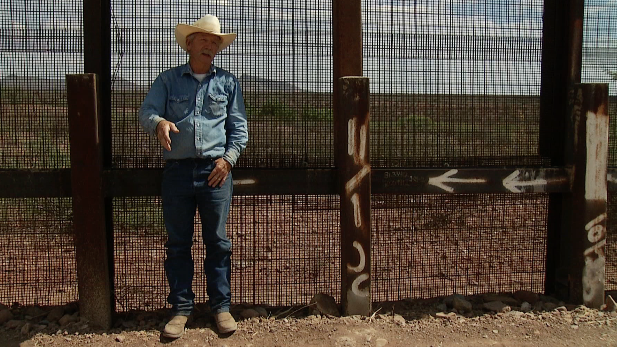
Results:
<point x="37" y="252"/>
<point x="40" y="43"/>
<point x="282" y="58"/>
<point x="431" y="245"/>
<point x="453" y="83"/>
<point x="285" y="250"/>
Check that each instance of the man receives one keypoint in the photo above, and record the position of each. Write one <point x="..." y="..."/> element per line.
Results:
<point x="196" y="111"/>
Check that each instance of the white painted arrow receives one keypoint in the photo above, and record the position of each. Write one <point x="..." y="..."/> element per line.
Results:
<point x="512" y="183"/>
<point x="446" y="178"/>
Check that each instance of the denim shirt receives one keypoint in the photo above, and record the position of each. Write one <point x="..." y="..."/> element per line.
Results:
<point x="209" y="114"/>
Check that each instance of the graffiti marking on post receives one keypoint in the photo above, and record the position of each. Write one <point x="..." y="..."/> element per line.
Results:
<point x="595" y="259"/>
<point x="512" y="182"/>
<point x="447" y="178"/>
<point x="357" y="147"/>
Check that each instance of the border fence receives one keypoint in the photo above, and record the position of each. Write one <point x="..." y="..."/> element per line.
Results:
<point x="460" y="163"/>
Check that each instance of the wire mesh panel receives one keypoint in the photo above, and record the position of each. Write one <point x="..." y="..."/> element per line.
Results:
<point x="282" y="58"/>
<point x="453" y="82"/>
<point x="285" y="250"/>
<point x="40" y="43"/>
<point x="37" y="252"/>
<point x="431" y="245"/>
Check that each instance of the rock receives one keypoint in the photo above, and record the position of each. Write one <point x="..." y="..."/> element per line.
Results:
<point x="13" y="324"/>
<point x="249" y="313"/>
<point x="526" y="307"/>
<point x="448" y="316"/>
<point x="25" y="329"/>
<point x="526" y="296"/>
<point x="398" y="319"/>
<point x="128" y="324"/>
<point x="120" y="338"/>
<point x="549" y="306"/>
<point x="610" y="304"/>
<point x="508" y="300"/>
<point x="449" y="300"/>
<point x="5" y="316"/>
<point x="546" y="298"/>
<point x="496" y="306"/>
<point x="561" y="309"/>
<point x="55" y="314"/>
<point x="461" y="305"/>
<point x="325" y="304"/>
<point x="381" y="342"/>
<point x="34" y="311"/>
<point x="67" y="319"/>
<point x="262" y="311"/>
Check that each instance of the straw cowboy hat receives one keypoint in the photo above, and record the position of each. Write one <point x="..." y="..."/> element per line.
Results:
<point x="208" y="24"/>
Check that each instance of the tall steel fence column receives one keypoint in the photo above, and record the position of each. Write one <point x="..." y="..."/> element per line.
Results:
<point x="561" y="67"/>
<point x="584" y="232"/>
<point x="97" y="60"/>
<point x="355" y="245"/>
<point x="89" y="221"/>
<point x="355" y="181"/>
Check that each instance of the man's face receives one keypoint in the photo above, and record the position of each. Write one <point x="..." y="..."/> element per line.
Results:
<point x="203" y="47"/>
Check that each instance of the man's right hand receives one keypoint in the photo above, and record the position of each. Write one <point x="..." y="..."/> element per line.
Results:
<point x="162" y="133"/>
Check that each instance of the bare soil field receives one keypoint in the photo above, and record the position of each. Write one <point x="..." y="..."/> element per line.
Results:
<point x="403" y="323"/>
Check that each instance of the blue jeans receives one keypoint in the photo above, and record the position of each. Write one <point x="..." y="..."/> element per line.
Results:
<point x="185" y="189"/>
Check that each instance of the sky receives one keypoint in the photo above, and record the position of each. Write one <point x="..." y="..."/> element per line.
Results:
<point x="422" y="46"/>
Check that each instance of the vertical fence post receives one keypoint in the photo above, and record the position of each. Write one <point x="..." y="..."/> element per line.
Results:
<point x="350" y="117"/>
<point x="89" y="221"/>
<point x="562" y="45"/>
<point x="585" y="226"/>
<point x="355" y="191"/>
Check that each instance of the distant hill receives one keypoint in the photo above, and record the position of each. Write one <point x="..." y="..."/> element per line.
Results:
<point x="254" y="84"/>
<point x="32" y="82"/>
<point x="250" y="84"/>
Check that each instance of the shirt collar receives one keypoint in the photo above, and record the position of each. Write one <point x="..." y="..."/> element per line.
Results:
<point x="186" y="69"/>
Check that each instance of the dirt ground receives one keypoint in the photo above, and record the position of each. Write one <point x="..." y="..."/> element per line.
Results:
<point x="403" y="323"/>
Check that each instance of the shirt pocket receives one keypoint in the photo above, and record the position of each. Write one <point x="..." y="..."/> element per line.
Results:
<point x="217" y="104"/>
<point x="178" y="104"/>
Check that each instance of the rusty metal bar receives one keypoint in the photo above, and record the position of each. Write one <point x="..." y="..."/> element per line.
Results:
<point x="147" y="182"/>
<point x="470" y="180"/>
<point x="585" y="225"/>
<point x="355" y="191"/>
<point x="346" y="55"/>
<point x="35" y="183"/>
<point x="89" y="220"/>
<point x="561" y="67"/>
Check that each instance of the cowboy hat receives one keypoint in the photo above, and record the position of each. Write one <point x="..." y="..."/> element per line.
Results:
<point x="208" y="24"/>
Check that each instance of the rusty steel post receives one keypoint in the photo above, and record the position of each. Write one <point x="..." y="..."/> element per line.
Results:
<point x="355" y="192"/>
<point x="346" y="55"/>
<point x="89" y="222"/>
<point x="585" y="226"/>
<point x="561" y="67"/>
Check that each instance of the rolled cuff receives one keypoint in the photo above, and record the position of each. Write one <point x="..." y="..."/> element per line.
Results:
<point x="231" y="156"/>
<point x="152" y="122"/>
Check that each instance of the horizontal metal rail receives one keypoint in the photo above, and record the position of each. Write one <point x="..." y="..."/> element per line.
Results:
<point x="147" y="182"/>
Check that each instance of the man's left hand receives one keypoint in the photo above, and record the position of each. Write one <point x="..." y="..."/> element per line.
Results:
<point x="219" y="174"/>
